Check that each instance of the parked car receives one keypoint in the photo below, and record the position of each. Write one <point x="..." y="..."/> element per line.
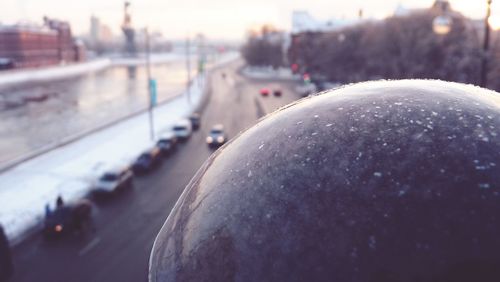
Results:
<point x="147" y="161"/>
<point x="114" y="180"/>
<point x="167" y="143"/>
<point x="216" y="137"/>
<point x="183" y="129"/>
<point x="264" y="92"/>
<point x="277" y="92"/>
<point x="65" y="219"/>
<point x="195" y="121"/>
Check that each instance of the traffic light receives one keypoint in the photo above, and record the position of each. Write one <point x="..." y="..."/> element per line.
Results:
<point x="307" y="78"/>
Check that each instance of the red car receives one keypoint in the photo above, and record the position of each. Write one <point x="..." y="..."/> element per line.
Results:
<point x="264" y="92"/>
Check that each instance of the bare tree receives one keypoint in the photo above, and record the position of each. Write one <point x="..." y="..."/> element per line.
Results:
<point x="264" y="48"/>
<point x="395" y="48"/>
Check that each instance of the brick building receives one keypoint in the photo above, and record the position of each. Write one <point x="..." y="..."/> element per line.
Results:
<point x="29" y="46"/>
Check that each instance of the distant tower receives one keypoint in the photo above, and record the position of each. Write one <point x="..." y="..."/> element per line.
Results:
<point x="128" y="31"/>
<point x="95" y="25"/>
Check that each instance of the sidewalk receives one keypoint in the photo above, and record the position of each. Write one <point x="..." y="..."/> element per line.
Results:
<point x="70" y="170"/>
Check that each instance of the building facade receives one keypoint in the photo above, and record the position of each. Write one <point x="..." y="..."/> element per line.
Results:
<point x="35" y="46"/>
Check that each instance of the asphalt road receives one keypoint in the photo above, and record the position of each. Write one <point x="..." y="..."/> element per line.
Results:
<point x="126" y="225"/>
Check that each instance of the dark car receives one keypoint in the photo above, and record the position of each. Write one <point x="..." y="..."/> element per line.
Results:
<point x="277" y="92"/>
<point x="264" y="92"/>
<point x="195" y="121"/>
<point x="147" y="161"/>
<point x="167" y="144"/>
<point x="68" y="218"/>
<point x="216" y="137"/>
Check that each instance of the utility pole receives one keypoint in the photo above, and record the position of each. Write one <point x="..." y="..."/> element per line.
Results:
<point x="151" y="86"/>
<point x="201" y="56"/>
<point x="486" y="46"/>
<point x="188" y="68"/>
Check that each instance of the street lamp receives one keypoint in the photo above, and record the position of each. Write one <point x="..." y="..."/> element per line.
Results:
<point x="151" y="86"/>
<point x="442" y="25"/>
<point x="486" y="46"/>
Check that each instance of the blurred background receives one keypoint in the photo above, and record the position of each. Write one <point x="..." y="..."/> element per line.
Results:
<point x="108" y="108"/>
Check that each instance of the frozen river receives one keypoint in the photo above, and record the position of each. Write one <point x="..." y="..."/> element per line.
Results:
<point x="36" y="116"/>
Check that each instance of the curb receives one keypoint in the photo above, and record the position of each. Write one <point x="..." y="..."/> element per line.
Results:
<point x="199" y="108"/>
<point x="72" y="138"/>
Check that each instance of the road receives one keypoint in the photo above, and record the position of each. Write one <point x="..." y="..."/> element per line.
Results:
<point x="126" y="225"/>
<point x="36" y="115"/>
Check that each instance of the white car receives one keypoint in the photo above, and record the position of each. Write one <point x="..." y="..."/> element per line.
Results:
<point x="182" y="129"/>
<point x="114" y="180"/>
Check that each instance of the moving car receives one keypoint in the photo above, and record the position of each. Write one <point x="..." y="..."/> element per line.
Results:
<point x="147" y="160"/>
<point x="195" y="121"/>
<point x="167" y="143"/>
<point x="264" y="92"/>
<point x="182" y="129"/>
<point x="277" y="92"/>
<point x="114" y="180"/>
<point x="216" y="137"/>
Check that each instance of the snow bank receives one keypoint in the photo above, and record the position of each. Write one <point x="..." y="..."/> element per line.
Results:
<point x="269" y="73"/>
<point x="227" y="57"/>
<point x="52" y="73"/>
<point x="154" y="59"/>
<point x="71" y="170"/>
<point x="70" y="70"/>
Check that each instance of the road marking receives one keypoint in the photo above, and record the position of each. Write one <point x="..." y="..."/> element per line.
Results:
<point x="89" y="246"/>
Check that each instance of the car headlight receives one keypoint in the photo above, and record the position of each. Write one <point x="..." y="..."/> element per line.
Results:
<point x="220" y="139"/>
<point x="210" y="139"/>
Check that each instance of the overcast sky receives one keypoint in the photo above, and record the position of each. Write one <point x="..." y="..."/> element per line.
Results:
<point x="216" y="18"/>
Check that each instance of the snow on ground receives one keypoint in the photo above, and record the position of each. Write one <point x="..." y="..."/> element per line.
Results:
<point x="53" y="72"/>
<point x="70" y="170"/>
<point x="160" y="58"/>
<point x="269" y="73"/>
<point x="227" y="57"/>
<point x="64" y="71"/>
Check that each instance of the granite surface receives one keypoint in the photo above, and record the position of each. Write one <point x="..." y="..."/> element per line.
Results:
<point x="378" y="181"/>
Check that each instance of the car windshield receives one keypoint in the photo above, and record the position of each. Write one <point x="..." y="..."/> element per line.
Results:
<point x="164" y="142"/>
<point x="109" y="177"/>
<point x="179" y="128"/>
<point x="216" y="131"/>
